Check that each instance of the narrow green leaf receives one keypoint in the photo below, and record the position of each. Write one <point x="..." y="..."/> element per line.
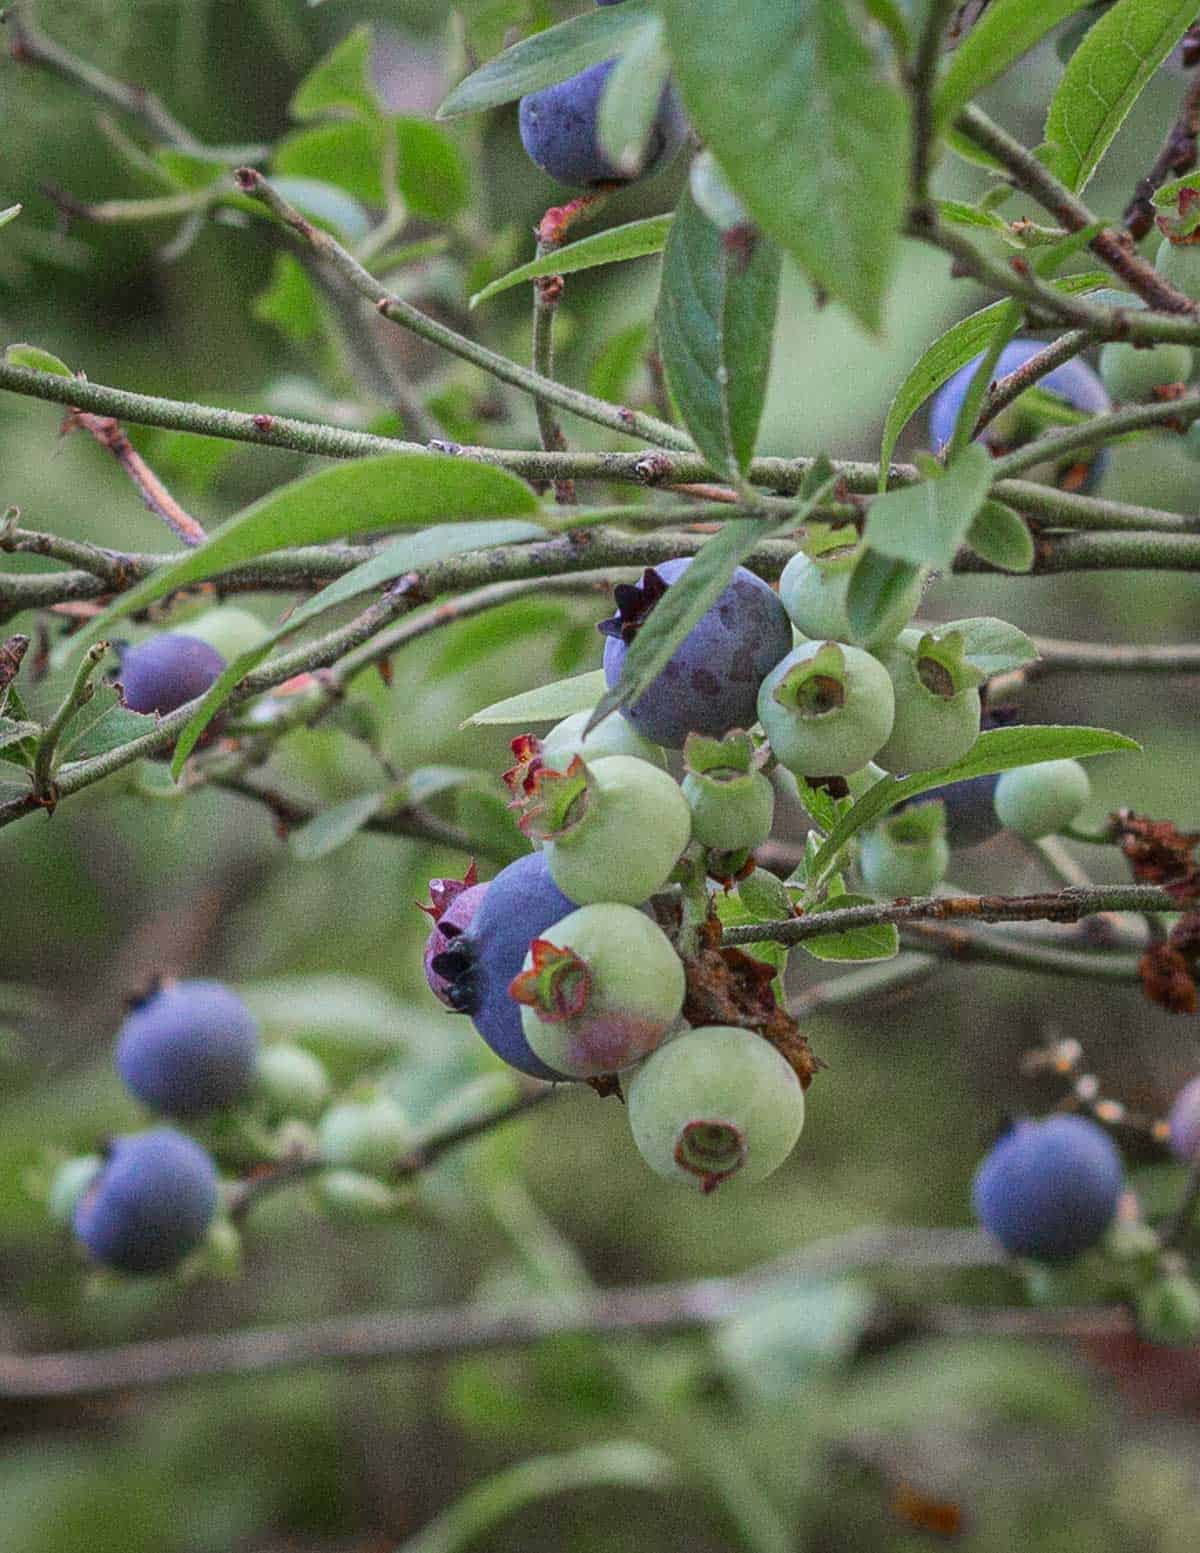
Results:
<point x="10" y="214"/>
<point x="992" y="645"/>
<point x="631" y="97"/>
<point x="340" y="83"/>
<point x="876" y="583"/>
<point x="324" y="204"/>
<point x="716" y="320"/>
<point x="404" y="555"/>
<point x="546" y="704"/>
<point x="925" y="523"/>
<point x="950" y="351"/>
<point x="101" y="725"/>
<point x="1103" y="79"/>
<point x="809" y="132"/>
<point x="894" y="19"/>
<point x="634" y="240"/>
<point x="1005" y="31"/>
<point x="396" y="490"/>
<point x="548" y="57"/>
<point x="695" y="592"/>
<point x="999" y="749"/>
<point x="35" y="357"/>
<point x="1008" y="320"/>
<point x="1001" y="536"/>
<point x="880" y="941"/>
<point x="618" y="361"/>
<point x="333" y="827"/>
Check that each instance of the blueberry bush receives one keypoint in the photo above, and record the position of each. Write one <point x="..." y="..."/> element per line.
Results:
<point x="691" y="496"/>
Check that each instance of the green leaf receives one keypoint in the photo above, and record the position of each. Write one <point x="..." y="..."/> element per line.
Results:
<point x="340" y="83"/>
<point x="1008" y="320"/>
<point x="999" y="749"/>
<point x="925" y="523"/>
<point x="343" y="152"/>
<point x="716" y="320"/>
<point x="631" y="97"/>
<point x="696" y="591"/>
<point x="548" y="57"/>
<point x="733" y="911"/>
<point x="333" y="827"/>
<point x="1001" y="536"/>
<point x="290" y="301"/>
<point x="876" y="584"/>
<point x="326" y="205"/>
<point x="404" y="555"/>
<point x="398" y="489"/>
<point x="10" y="214"/>
<point x="634" y="240"/>
<point x="18" y="741"/>
<point x="992" y="645"/>
<point x="947" y="354"/>
<point x="101" y="725"/>
<point x="546" y="704"/>
<point x="880" y="941"/>
<point x="618" y="361"/>
<point x="471" y="641"/>
<point x="1005" y="31"/>
<point x="432" y="174"/>
<point x="1103" y="78"/>
<point x="37" y="359"/>
<point x="811" y="136"/>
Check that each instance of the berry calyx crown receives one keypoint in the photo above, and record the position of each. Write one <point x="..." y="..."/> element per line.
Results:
<point x="817" y="686"/>
<point x="711" y="1149"/>
<point x="942" y="665"/>
<point x="552" y="803"/>
<point x="726" y="760"/>
<point x="918" y="827"/>
<point x="444" y="892"/>
<point x="832" y="547"/>
<point x="634" y="601"/>
<point x="556" y="986"/>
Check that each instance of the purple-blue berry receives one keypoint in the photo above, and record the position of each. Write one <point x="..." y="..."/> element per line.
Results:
<point x="165" y="672"/>
<point x="191" y="1047"/>
<point x="1184" y="1123"/>
<point x="150" y="1205"/>
<point x="453" y="904"/>
<point x="1049" y="1189"/>
<point x="521" y="904"/>
<point x="559" y="131"/>
<point x="710" y="683"/>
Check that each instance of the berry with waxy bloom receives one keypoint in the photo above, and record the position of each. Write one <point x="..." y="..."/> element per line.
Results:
<point x="827" y="708"/>
<point x="938" y="709"/>
<point x="189" y="1048"/>
<point x="150" y="1204"/>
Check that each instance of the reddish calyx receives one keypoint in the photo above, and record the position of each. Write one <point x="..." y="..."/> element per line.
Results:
<point x="551" y="802"/>
<point x="443" y="892"/>
<point x="711" y="1149"/>
<point x="557" y="985"/>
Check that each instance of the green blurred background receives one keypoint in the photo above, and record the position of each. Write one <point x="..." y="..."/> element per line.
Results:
<point x="812" y="1408"/>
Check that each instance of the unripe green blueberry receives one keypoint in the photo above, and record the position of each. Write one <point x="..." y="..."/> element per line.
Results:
<point x="814" y="594"/>
<point x="715" y="1104"/>
<point x="907" y="854"/>
<point x="612" y="830"/>
<point x="614" y="736"/>
<point x="1036" y="801"/>
<point x="732" y="802"/>
<point x="827" y="709"/>
<point x="349" y="1197"/>
<point x="937" y="702"/>
<point x="292" y="1082"/>
<point x="68" y="1184"/>
<point x="1179" y="263"/>
<point x="600" y="991"/>
<point x="231" y="630"/>
<point x="1133" y="375"/>
<point x="372" y="1135"/>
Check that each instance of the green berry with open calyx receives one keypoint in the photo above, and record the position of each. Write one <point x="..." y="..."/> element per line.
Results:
<point x="614" y="736"/>
<point x="937" y="701"/>
<point x="1179" y="264"/>
<point x="291" y="1082"/>
<point x="611" y="830"/>
<point x="827" y="709"/>
<point x="814" y="587"/>
<point x="371" y="1134"/>
<point x="714" y="1105"/>
<point x="907" y="853"/>
<point x="732" y="802"/>
<point x="1037" y="801"/>
<point x="600" y="991"/>
<point x="349" y="1197"/>
<point x="1133" y="375"/>
<point x="68" y="1184"/>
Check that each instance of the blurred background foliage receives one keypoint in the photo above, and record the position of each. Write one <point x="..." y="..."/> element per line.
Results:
<point x="846" y="1429"/>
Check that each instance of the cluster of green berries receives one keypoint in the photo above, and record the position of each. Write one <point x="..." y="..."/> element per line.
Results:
<point x="191" y="1053"/>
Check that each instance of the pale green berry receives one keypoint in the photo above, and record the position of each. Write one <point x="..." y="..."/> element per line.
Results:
<point x="1036" y="801"/>
<point x="714" y="1105"/>
<point x="937" y="702"/>
<point x="292" y="1082"/>
<point x="907" y="854"/>
<point x="1179" y="263"/>
<point x="827" y="709"/>
<point x="1132" y="374"/>
<point x="372" y="1135"/>
<point x="814" y="594"/>
<point x="732" y="802"/>
<point x="599" y="991"/>
<point x="614" y="736"/>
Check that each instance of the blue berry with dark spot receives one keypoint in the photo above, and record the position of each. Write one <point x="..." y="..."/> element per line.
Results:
<point x="1074" y="382"/>
<point x="151" y="1203"/>
<point x="1049" y="1189"/>
<point x="522" y="903"/>
<point x="559" y="131"/>
<point x="710" y="684"/>
<point x="190" y="1048"/>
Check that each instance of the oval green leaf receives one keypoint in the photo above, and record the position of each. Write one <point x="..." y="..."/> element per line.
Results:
<point x="634" y="240"/>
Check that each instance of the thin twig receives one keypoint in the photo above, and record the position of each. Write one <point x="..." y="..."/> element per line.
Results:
<point x="922" y="80"/>
<point x="44" y="794"/>
<point x="1178" y="156"/>
<point x="953" y="943"/>
<point x="1011" y="386"/>
<point x="110" y="434"/>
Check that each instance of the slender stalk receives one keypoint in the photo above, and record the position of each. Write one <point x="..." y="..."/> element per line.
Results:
<point x="82" y="690"/>
<point x="991" y="949"/>
<point x="1056" y="445"/>
<point x="922" y="81"/>
<point x="1178" y="156"/>
<point x="1010" y="387"/>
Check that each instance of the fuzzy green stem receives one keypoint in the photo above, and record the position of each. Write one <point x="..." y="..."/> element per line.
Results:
<point x="81" y="692"/>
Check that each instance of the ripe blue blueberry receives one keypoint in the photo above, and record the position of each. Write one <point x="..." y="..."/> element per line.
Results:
<point x="453" y="904"/>
<point x="521" y="904"/>
<point x="164" y="672"/>
<point x="710" y="683"/>
<point x="189" y="1048"/>
<point x="151" y="1203"/>
<point x="1074" y="382"/>
<point x="1184" y="1123"/>
<point x="1049" y="1189"/>
<point x="559" y="131"/>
